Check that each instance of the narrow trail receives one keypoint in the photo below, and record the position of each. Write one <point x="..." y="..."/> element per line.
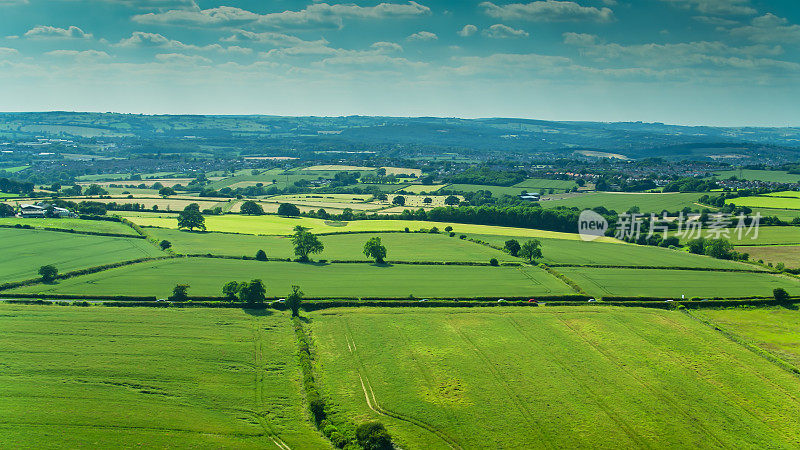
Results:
<point x="258" y="387"/>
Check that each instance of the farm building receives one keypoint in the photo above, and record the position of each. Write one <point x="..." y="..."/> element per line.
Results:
<point x="529" y="197"/>
<point x="40" y="210"/>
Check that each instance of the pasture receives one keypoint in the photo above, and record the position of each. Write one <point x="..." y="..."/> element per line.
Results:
<point x="206" y="277"/>
<point x="789" y="255"/>
<point x="766" y="202"/>
<point x="574" y="377"/>
<point x="623" y="201"/>
<point x="24" y="251"/>
<point x="766" y="236"/>
<point x="109" y="378"/>
<point x="497" y="191"/>
<point x="789" y="194"/>
<point x="96" y="226"/>
<point x="541" y="184"/>
<point x="674" y="283"/>
<point x="775" y="176"/>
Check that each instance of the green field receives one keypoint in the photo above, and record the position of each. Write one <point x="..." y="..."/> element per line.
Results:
<point x="206" y="277"/>
<point x="789" y="255"/>
<point x="539" y="184"/>
<point x="497" y="191"/>
<point x="24" y="251"/>
<point x="766" y="236"/>
<point x="774" y="176"/>
<point x="6" y="195"/>
<point x="96" y="226"/>
<point x="791" y="194"/>
<point x="140" y="377"/>
<point x="773" y="329"/>
<point x="766" y="202"/>
<point x="674" y="283"/>
<point x="623" y="201"/>
<point x="784" y="214"/>
<point x="14" y="169"/>
<point x="553" y="377"/>
<point x="400" y="246"/>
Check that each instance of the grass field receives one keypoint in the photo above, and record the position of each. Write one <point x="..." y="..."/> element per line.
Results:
<point x="773" y="329"/>
<point x="674" y="283"/>
<point x="107" y="378"/>
<point x="206" y="277"/>
<point x="24" y="251"/>
<point x="539" y="184"/>
<point x="791" y="194"/>
<point x="401" y="246"/>
<point x="774" y="176"/>
<point x="553" y="377"/>
<point x="783" y="214"/>
<point x="789" y="255"/>
<point x="766" y="236"/>
<point x="766" y="202"/>
<point x="497" y="191"/>
<point x="277" y="225"/>
<point x="622" y="202"/>
<point x="97" y="226"/>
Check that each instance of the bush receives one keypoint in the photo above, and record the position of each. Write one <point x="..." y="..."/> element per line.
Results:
<point x="180" y="293"/>
<point x="463" y="236"/>
<point x="261" y="255"/>
<point x="452" y="234"/>
<point x="448" y="228"/>
<point x="494" y="262"/>
<point x="373" y="436"/>
<point x="780" y="294"/>
<point x="165" y="244"/>
<point x="48" y="273"/>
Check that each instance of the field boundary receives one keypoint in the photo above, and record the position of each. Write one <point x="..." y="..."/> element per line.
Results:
<point x="72" y="231"/>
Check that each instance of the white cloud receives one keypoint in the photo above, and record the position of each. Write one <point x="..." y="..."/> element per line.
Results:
<point x="314" y="15"/>
<point x="716" y="21"/>
<point x="548" y="11"/>
<point x="48" y="32"/>
<point x="769" y="28"/>
<point x="180" y="58"/>
<point x="500" y="31"/>
<point x="468" y="30"/>
<point x="722" y="7"/>
<point x="372" y="62"/>
<point x="423" y="36"/>
<point x="141" y="39"/>
<point x="387" y="47"/>
<point x="7" y="51"/>
<point x="80" y="54"/>
<point x="271" y="38"/>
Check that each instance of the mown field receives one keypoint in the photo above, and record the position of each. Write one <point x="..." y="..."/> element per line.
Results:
<point x="775" y="176"/>
<point x="766" y="202"/>
<point x="97" y="226"/>
<point x="789" y="255"/>
<point x="24" y="251"/>
<point x="539" y="184"/>
<point x="206" y="277"/>
<point x="766" y="236"/>
<point x="674" y="283"/>
<point x="622" y="201"/>
<point x="400" y="246"/>
<point x="552" y="377"/>
<point x="109" y="378"/>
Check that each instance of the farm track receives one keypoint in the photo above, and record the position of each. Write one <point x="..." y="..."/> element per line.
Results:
<point x="258" y="386"/>
<point x="372" y="401"/>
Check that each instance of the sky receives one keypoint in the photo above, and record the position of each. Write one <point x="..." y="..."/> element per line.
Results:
<point x="709" y="62"/>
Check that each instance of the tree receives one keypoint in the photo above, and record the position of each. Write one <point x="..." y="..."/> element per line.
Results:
<point x="399" y="200"/>
<point x="252" y="292"/>
<point x="780" y="294"/>
<point x="452" y="200"/>
<point x="166" y="191"/>
<point x="6" y="210"/>
<point x="512" y="247"/>
<point x="427" y="200"/>
<point x="261" y="255"/>
<point x="230" y="289"/>
<point x="448" y="228"/>
<point x="375" y="249"/>
<point x="305" y="243"/>
<point x="252" y="208"/>
<point x="531" y="250"/>
<point x="180" y="293"/>
<point x="94" y="190"/>
<point x="191" y="218"/>
<point x="696" y="246"/>
<point x="294" y="299"/>
<point x="165" y="244"/>
<point x="718" y="248"/>
<point x="494" y="262"/>
<point x="373" y="436"/>
<point x="48" y="273"/>
<point x="288" y="209"/>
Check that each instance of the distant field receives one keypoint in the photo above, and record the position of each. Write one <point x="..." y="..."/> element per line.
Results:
<point x="789" y="255"/>
<point x="497" y="191"/>
<point x="774" y="329"/>
<point x="539" y="184"/>
<point x="164" y="204"/>
<point x="420" y="188"/>
<point x="339" y="168"/>
<point x="106" y="378"/>
<point x="206" y="277"/>
<point x="553" y="377"/>
<point x="24" y="251"/>
<point x="622" y="202"/>
<point x="792" y="194"/>
<point x="774" y="176"/>
<point x="767" y="202"/>
<point x="400" y="246"/>
<point x="784" y="214"/>
<point x="7" y="195"/>
<point x="766" y="236"/>
<point x="561" y="251"/>
<point x="14" y="169"/>
<point x="98" y="226"/>
<point x="674" y="283"/>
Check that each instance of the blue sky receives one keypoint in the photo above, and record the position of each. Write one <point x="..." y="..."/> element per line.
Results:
<point x="716" y="62"/>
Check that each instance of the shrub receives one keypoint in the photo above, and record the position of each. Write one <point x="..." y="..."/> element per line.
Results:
<point x="48" y="273"/>
<point x="463" y="236"/>
<point x="494" y="262"/>
<point x="165" y="244"/>
<point x="448" y="228"/>
<point x="407" y="230"/>
<point x="433" y="230"/>
<point x="180" y="293"/>
<point x="452" y="234"/>
<point x="261" y="255"/>
<point x="373" y="436"/>
<point x="780" y="294"/>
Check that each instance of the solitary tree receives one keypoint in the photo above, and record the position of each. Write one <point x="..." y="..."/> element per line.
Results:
<point x="252" y="208"/>
<point x="230" y="290"/>
<point x="261" y="255"/>
<point x="165" y="244"/>
<point x="180" y="293"/>
<point x="6" y="210"/>
<point x="191" y="218"/>
<point x="48" y="273"/>
<point x="373" y="436"/>
<point x="427" y="200"/>
<point x="780" y="294"/>
<point x="399" y="200"/>
<point x="512" y="247"/>
<point x="375" y="249"/>
<point x="294" y="299"/>
<point x="305" y="243"/>
<point x="531" y="250"/>
<point x="252" y="292"/>
<point x="452" y="200"/>
<point x="166" y="191"/>
<point x="288" y="209"/>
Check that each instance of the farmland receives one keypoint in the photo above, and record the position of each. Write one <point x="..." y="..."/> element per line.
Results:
<point x="789" y="255"/>
<point x="26" y="250"/>
<point x="96" y="226"/>
<point x="775" y="176"/>
<point x="510" y="377"/>
<point x="767" y="202"/>
<point x="105" y="378"/>
<point x="622" y="202"/>
<point x="766" y="236"/>
<point x="206" y="277"/>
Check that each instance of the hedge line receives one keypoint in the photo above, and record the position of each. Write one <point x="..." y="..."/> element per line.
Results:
<point x="699" y="269"/>
<point x="663" y="299"/>
<point x="564" y="279"/>
<point x="70" y="230"/>
<point x="130" y="298"/>
<point x="355" y="261"/>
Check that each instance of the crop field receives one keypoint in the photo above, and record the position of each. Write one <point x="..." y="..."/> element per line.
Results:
<point x="206" y="277"/>
<point x="789" y="255"/>
<point x="420" y="188"/>
<point x="105" y="378"/>
<point x="24" y="251"/>
<point x="562" y="251"/>
<point x="97" y="226"/>
<point x="766" y="236"/>
<point x="790" y="194"/>
<point x="164" y="204"/>
<point x="14" y="169"/>
<point x="497" y="191"/>
<point x="552" y="377"/>
<point x="766" y="202"/>
<point x="774" y="176"/>
<point x="621" y="201"/>
<point x="7" y="195"/>
<point x="773" y="329"/>
<point x="784" y="214"/>
<point x="674" y="283"/>
<point x="539" y="184"/>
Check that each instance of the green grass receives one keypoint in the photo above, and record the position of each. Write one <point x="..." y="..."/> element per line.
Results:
<point x="791" y="194"/>
<point x="783" y="214"/>
<point x="539" y="184"/>
<point x="553" y="377"/>
<point x="497" y="191"/>
<point x="622" y="202"/>
<point x="561" y="251"/>
<point x="24" y="251"/>
<point x="97" y="226"/>
<point x="789" y="255"/>
<point x="14" y="169"/>
<point x="206" y="277"/>
<point x="766" y="236"/>
<point x="400" y="246"/>
<point x="674" y="283"/>
<point x="774" y="329"/>
<point x="774" y="176"/>
<point x="7" y="195"/>
<point x="112" y="378"/>
<point x="766" y="202"/>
